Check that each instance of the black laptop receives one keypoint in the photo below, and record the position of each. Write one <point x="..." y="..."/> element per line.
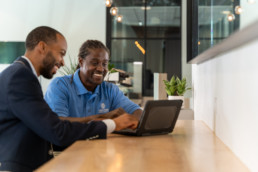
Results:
<point x="158" y="117"/>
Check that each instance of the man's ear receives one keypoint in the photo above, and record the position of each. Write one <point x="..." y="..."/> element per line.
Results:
<point x="80" y="61"/>
<point x="41" y="47"/>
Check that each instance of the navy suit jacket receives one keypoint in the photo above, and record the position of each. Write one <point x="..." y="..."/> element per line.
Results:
<point x="27" y="124"/>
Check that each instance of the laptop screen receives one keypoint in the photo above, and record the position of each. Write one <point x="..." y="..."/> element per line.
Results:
<point x="160" y="117"/>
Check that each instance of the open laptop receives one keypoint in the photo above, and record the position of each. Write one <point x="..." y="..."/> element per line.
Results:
<point x="158" y="117"/>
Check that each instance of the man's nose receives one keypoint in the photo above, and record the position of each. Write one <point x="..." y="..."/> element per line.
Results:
<point x="62" y="63"/>
<point x="100" y="67"/>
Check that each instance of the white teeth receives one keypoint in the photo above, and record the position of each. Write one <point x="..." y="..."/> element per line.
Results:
<point x="97" y="74"/>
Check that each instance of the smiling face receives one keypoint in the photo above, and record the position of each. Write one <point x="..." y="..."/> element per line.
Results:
<point x="93" y="68"/>
<point x="54" y="57"/>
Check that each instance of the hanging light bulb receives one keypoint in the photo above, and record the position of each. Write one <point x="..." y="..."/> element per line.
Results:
<point x="231" y="17"/>
<point x="119" y="18"/>
<point x="113" y="11"/>
<point x="238" y="10"/>
<point x="108" y="3"/>
<point x="251" y="1"/>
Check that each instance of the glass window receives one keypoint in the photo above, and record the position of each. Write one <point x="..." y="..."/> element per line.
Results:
<point x="213" y="23"/>
<point x="163" y="56"/>
<point x="209" y="23"/>
<point x="163" y="21"/>
<point x="132" y="24"/>
<point x="124" y="52"/>
<point x="148" y="40"/>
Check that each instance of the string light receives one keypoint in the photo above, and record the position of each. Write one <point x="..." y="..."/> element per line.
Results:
<point x="231" y="17"/>
<point x="108" y="3"/>
<point x="119" y="18"/>
<point x="238" y="10"/>
<point x="251" y="1"/>
<point x="113" y="11"/>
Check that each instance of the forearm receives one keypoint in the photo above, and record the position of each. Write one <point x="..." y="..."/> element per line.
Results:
<point x="110" y="115"/>
<point x="137" y="113"/>
<point x="81" y="119"/>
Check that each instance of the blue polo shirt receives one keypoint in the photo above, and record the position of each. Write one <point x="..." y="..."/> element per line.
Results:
<point x="69" y="98"/>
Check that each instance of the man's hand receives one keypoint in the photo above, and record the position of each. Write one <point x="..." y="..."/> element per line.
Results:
<point x="126" y="121"/>
<point x="137" y="113"/>
<point x="112" y="114"/>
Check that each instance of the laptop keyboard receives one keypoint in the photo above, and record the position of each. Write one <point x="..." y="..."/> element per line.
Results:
<point x="129" y="130"/>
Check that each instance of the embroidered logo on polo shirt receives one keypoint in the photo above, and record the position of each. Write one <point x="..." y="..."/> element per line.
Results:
<point x="102" y="108"/>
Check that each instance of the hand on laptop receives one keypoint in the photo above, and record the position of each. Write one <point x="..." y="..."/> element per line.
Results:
<point x="126" y="121"/>
<point x="112" y="114"/>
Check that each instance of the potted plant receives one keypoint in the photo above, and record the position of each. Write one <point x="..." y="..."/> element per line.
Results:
<point x="176" y="88"/>
<point x="68" y="70"/>
<point x="112" y="74"/>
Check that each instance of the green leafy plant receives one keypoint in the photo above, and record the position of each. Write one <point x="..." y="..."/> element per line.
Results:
<point x="111" y="68"/>
<point x="170" y="86"/>
<point x="67" y="70"/>
<point x="176" y="87"/>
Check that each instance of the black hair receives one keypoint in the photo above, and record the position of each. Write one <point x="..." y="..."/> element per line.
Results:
<point x="41" y="33"/>
<point x="89" y="45"/>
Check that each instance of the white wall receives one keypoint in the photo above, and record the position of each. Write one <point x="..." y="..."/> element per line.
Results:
<point x="225" y="98"/>
<point x="249" y="14"/>
<point x="78" y="20"/>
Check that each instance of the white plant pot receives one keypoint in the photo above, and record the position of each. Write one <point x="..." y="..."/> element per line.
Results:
<point x="178" y="98"/>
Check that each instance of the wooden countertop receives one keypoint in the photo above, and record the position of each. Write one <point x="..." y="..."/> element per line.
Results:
<point x="192" y="147"/>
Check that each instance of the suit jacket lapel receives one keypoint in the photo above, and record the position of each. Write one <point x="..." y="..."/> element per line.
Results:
<point x="24" y="62"/>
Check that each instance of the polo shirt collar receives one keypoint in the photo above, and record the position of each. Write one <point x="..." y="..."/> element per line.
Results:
<point x="80" y="89"/>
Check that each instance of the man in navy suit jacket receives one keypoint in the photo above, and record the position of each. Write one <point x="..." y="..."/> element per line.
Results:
<point x="27" y="124"/>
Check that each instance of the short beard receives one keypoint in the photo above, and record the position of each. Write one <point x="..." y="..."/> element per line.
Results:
<point x="48" y="64"/>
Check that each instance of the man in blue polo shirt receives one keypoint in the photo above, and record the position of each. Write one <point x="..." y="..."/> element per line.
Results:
<point x="84" y="94"/>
